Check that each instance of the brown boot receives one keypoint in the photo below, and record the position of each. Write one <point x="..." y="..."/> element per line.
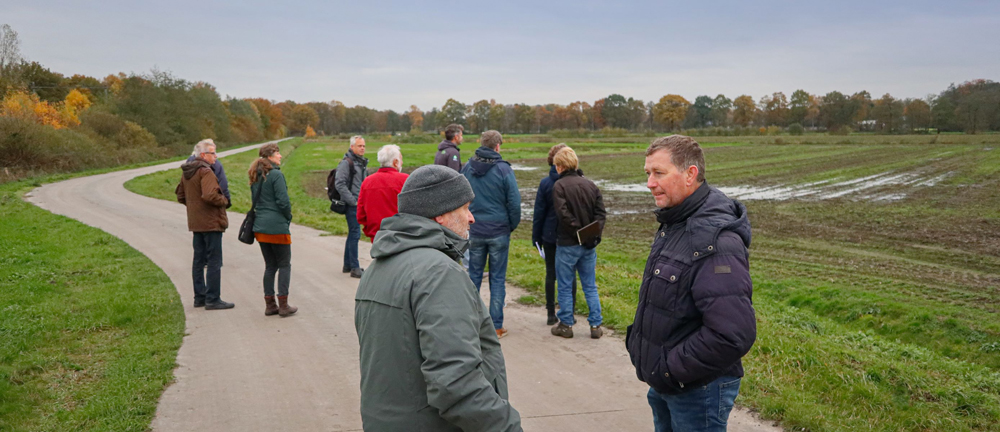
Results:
<point x="283" y="308"/>
<point x="272" y="307"/>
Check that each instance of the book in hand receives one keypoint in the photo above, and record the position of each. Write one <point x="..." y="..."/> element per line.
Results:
<point x="590" y="235"/>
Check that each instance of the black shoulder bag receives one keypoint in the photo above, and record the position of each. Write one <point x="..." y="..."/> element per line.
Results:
<point x="337" y="205"/>
<point x="246" y="230"/>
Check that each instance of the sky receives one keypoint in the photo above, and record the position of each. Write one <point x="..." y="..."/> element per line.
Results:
<point x="393" y="54"/>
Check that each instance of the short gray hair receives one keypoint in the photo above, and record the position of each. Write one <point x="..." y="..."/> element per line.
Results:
<point x="684" y="152"/>
<point x="389" y="153"/>
<point x="202" y="147"/>
<point x="354" y="139"/>
<point x="491" y="139"/>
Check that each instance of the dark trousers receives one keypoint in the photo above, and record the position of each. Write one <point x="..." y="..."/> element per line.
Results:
<point x="277" y="259"/>
<point x="550" y="279"/>
<point x="206" y="271"/>
<point x="353" y="236"/>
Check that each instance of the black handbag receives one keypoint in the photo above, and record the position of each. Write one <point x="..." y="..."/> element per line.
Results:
<point x="246" y="230"/>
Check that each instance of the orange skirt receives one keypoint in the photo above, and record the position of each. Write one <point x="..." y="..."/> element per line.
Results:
<point x="282" y="239"/>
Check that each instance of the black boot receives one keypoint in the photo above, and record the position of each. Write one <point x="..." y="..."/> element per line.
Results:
<point x="552" y="316"/>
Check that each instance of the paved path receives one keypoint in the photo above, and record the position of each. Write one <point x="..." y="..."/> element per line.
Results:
<point x="241" y="371"/>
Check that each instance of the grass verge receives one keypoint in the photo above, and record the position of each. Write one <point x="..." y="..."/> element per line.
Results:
<point x="89" y="328"/>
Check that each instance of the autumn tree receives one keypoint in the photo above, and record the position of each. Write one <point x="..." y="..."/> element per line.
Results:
<point x="776" y="110"/>
<point x="498" y="116"/>
<point x="671" y="110"/>
<point x="836" y="111"/>
<point x="301" y="117"/>
<point x="744" y="110"/>
<point x="416" y="117"/>
<point x="310" y="133"/>
<point x="918" y="114"/>
<point x="478" y="116"/>
<point x="888" y="114"/>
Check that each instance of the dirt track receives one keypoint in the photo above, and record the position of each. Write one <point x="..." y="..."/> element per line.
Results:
<point x="240" y="371"/>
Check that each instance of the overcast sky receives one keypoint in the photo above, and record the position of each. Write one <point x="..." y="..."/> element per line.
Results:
<point x="391" y="54"/>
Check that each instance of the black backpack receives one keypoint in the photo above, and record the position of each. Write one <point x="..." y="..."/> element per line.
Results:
<point x="336" y="204"/>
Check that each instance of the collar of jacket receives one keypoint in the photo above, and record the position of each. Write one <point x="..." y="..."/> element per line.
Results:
<point x="567" y="173"/>
<point x="357" y="159"/>
<point x="405" y="231"/>
<point x="192" y="167"/>
<point x="487" y="155"/>
<point x="447" y="144"/>
<point x="684" y="210"/>
<point x="388" y="169"/>
<point x="553" y="172"/>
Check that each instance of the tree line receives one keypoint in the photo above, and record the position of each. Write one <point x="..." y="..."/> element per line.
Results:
<point x="51" y="121"/>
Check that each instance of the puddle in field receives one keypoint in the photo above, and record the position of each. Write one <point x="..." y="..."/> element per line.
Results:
<point x="885" y="187"/>
<point x="519" y="167"/>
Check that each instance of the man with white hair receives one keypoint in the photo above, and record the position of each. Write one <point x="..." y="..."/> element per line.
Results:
<point x="220" y="173"/>
<point x="351" y="172"/>
<point x="380" y="191"/>
<point x="199" y="191"/>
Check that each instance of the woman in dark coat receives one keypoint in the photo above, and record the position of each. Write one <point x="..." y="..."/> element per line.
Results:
<point x="543" y="234"/>
<point x="274" y="214"/>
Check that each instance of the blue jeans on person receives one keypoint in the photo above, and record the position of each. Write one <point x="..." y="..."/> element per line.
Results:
<point x="206" y="269"/>
<point x="572" y="260"/>
<point x="495" y="249"/>
<point x="703" y="409"/>
<point x="353" y="236"/>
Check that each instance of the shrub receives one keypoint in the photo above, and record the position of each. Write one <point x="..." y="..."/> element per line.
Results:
<point x="843" y="130"/>
<point x="796" y="129"/>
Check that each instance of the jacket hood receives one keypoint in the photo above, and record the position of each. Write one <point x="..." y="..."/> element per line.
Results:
<point x="484" y="160"/>
<point x="192" y="167"/>
<point x="716" y="213"/>
<point x="404" y="231"/>
<point x="446" y="145"/>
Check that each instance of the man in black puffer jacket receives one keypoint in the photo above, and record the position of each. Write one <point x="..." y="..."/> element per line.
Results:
<point x="695" y="317"/>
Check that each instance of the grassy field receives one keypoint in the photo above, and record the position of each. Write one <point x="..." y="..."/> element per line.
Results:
<point x="876" y="294"/>
<point x="89" y="328"/>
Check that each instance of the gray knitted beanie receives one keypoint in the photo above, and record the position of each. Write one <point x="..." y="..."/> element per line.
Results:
<point x="433" y="190"/>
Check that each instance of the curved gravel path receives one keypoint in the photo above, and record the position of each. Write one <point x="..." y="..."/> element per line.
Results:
<point x="241" y="371"/>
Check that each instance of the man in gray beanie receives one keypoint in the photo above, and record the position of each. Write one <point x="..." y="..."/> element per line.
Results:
<point x="430" y="358"/>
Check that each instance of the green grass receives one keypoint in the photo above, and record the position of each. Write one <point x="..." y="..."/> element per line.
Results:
<point x="871" y="315"/>
<point x="89" y="328"/>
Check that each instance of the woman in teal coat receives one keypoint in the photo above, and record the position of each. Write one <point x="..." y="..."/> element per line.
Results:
<point x="274" y="214"/>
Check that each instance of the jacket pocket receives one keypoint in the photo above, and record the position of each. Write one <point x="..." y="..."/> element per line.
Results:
<point x="664" y="286"/>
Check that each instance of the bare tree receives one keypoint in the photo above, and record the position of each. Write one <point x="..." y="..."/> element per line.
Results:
<point x="10" y="50"/>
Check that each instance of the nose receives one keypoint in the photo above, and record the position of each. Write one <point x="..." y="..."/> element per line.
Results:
<point x="472" y="219"/>
<point x="650" y="183"/>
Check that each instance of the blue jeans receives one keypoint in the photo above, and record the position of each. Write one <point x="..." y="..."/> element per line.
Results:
<point x="206" y="268"/>
<point x="703" y="409"/>
<point x="353" y="236"/>
<point x="495" y="249"/>
<point x="571" y="260"/>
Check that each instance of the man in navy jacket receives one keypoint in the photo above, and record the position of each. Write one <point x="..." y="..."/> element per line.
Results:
<point x="695" y="317"/>
<point x="497" y="209"/>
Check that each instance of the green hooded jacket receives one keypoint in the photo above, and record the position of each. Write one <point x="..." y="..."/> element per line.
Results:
<point x="430" y="358"/>
<point x="274" y="210"/>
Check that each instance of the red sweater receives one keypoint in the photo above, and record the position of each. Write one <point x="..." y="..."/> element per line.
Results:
<point x="378" y="199"/>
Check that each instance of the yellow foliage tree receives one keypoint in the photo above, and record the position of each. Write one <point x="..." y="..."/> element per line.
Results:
<point x="671" y="110"/>
<point x="77" y="100"/>
<point x="27" y="105"/>
<point x="310" y="133"/>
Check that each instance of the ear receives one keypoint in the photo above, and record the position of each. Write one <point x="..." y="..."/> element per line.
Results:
<point x="691" y="175"/>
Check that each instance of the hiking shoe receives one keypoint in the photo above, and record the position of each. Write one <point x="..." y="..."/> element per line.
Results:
<point x="219" y="305"/>
<point x="347" y="269"/>
<point x="596" y="332"/>
<point x="199" y="302"/>
<point x="501" y="332"/>
<point x="562" y="330"/>
<point x="357" y="272"/>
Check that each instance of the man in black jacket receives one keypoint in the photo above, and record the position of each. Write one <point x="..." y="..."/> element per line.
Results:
<point x="695" y="317"/>
<point x="577" y="202"/>
<point x="448" y="154"/>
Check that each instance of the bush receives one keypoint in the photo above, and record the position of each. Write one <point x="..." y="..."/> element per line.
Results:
<point x="843" y="130"/>
<point x="796" y="129"/>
